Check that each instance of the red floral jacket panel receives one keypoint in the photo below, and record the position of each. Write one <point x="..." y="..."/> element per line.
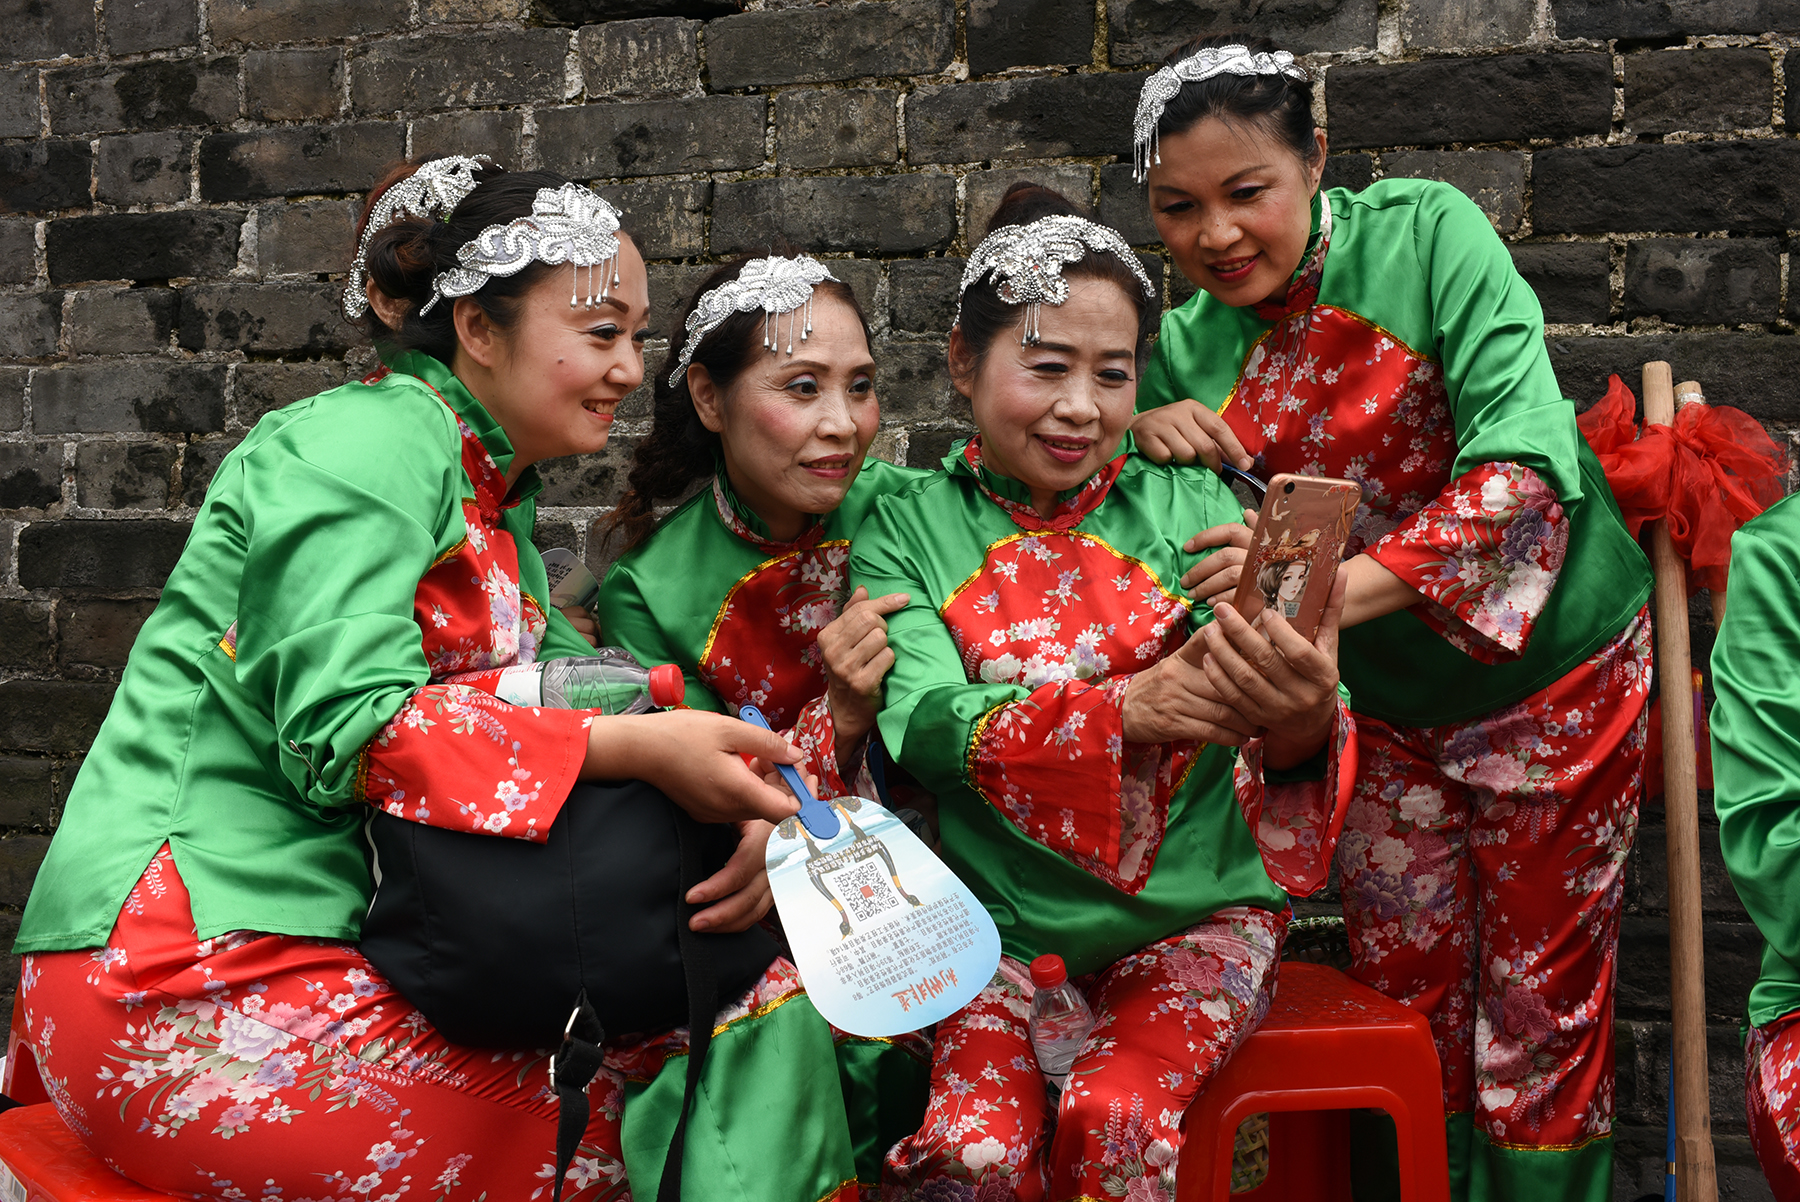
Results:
<point x="454" y="755"/>
<point x="1327" y="393"/>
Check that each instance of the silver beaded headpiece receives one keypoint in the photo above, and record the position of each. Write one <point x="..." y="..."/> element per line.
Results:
<point x="430" y="192"/>
<point x="1165" y="84"/>
<point x="1028" y="261"/>
<point x="776" y="285"/>
<point x="570" y="224"/>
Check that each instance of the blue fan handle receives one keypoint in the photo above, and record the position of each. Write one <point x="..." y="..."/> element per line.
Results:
<point x="815" y="815"/>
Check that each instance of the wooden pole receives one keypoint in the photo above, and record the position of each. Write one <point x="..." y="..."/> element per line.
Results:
<point x="1695" y="1176"/>
<point x="1688" y="393"/>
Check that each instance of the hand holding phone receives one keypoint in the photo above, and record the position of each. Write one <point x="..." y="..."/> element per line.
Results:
<point x="1294" y="554"/>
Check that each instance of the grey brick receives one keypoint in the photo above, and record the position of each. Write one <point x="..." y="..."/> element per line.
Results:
<point x="1751" y="186"/>
<point x="653" y="137"/>
<point x="266" y="22"/>
<point x="302" y="318"/>
<point x="839" y="127"/>
<point x="1690" y="280"/>
<point x="160" y="94"/>
<point x="847" y="41"/>
<point x="295" y="161"/>
<point x="671" y="284"/>
<point x="48" y="28"/>
<point x="25" y="643"/>
<point x="438" y="12"/>
<point x="1125" y="207"/>
<point x="913" y="381"/>
<point x="18" y="251"/>
<point x="120" y="321"/>
<point x="98" y="633"/>
<point x="1603" y="19"/>
<point x="199" y="463"/>
<point x="1571" y="279"/>
<point x="1352" y="171"/>
<point x="1650" y="867"/>
<point x="554" y="532"/>
<point x="26" y="795"/>
<point x="1020" y="33"/>
<point x="1022" y="118"/>
<point x="651" y="58"/>
<point x="142" y="246"/>
<point x="308" y="237"/>
<point x="123" y="475"/>
<point x="1458" y="23"/>
<point x="1754" y="372"/>
<point x="1503" y="98"/>
<point x="459" y="70"/>
<point x="885" y="214"/>
<point x="134" y="26"/>
<point x="20" y="113"/>
<point x="494" y="133"/>
<point x="97" y="556"/>
<point x="29" y="324"/>
<point x="1705" y="90"/>
<point x="863" y="276"/>
<point x="1733" y="956"/>
<point x="44" y="715"/>
<point x="928" y="448"/>
<point x="922" y="294"/>
<point x="982" y="190"/>
<point x="667" y="218"/>
<point x="1493" y="179"/>
<point x="594" y="12"/>
<point x="589" y="479"/>
<point x="264" y="387"/>
<point x="30" y="474"/>
<point x="1142" y="31"/>
<point x="12" y="396"/>
<point x="20" y="855"/>
<point x="155" y="168"/>
<point x="293" y="85"/>
<point x="36" y="177"/>
<point x="170" y="398"/>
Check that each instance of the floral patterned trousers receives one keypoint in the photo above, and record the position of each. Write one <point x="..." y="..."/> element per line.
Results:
<point x="270" y="1067"/>
<point x="1166" y="1019"/>
<point x="1482" y="865"/>
<point x="1772" y="1100"/>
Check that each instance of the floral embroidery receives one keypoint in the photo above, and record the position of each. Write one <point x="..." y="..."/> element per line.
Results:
<point x="1772" y="1095"/>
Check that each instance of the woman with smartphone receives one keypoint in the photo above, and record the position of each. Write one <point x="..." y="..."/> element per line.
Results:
<point x="1495" y="644"/>
<point x="1079" y="720"/>
<point x="769" y="403"/>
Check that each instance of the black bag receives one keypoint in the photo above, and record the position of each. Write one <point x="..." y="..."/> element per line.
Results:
<point x="496" y="939"/>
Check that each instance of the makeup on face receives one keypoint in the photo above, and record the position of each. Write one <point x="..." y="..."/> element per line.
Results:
<point x="1233" y="203"/>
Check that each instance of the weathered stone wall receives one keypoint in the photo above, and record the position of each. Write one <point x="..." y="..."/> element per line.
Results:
<point x="178" y="179"/>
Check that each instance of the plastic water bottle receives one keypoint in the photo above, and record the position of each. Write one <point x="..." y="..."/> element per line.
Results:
<point x="1060" y="1019"/>
<point x="610" y="681"/>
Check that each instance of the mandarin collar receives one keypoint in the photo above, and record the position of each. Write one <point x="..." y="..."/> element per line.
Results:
<point x="472" y="414"/>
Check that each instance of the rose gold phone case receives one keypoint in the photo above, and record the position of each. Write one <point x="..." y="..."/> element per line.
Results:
<point x="1294" y="554"/>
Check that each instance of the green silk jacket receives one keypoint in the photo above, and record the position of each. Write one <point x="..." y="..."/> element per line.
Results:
<point x="1756" y="746"/>
<point x="244" y="730"/>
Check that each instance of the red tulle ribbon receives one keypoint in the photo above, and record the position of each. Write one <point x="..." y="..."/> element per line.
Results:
<point x="1708" y="474"/>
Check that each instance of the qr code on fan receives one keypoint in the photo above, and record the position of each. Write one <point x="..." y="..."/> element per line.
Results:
<point x="866" y="890"/>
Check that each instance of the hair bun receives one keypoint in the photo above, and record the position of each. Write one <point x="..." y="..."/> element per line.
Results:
<point x="1025" y="202"/>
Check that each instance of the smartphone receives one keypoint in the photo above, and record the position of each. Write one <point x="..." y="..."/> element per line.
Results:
<point x="1294" y="554"/>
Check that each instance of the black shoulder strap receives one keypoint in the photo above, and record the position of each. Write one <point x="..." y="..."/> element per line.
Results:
<point x="572" y="1069"/>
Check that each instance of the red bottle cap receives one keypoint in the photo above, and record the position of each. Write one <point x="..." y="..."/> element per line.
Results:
<point x="667" y="688"/>
<point x="1047" y="972"/>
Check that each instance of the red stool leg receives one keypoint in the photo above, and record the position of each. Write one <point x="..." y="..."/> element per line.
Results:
<point x="21" y="1081"/>
<point x="1309" y="1157"/>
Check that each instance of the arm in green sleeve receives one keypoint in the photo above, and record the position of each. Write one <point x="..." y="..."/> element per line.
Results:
<point x="1756" y="726"/>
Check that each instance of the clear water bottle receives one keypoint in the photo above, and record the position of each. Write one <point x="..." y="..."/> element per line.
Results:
<point x="610" y="681"/>
<point x="1060" y="1019"/>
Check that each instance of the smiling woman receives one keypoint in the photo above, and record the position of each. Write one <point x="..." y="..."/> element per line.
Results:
<point x="191" y="940"/>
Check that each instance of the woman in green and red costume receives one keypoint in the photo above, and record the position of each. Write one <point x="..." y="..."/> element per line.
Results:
<point x="1079" y="719"/>
<point x="1756" y="779"/>
<point x="1495" y="641"/>
<point x="192" y="989"/>
<point x="770" y="404"/>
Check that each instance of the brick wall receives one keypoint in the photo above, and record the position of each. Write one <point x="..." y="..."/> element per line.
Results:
<point x="177" y="181"/>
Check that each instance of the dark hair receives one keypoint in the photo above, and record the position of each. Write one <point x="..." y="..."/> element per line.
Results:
<point x="985" y="316"/>
<point x="406" y="255"/>
<point x="679" y="449"/>
<point x="1281" y="105"/>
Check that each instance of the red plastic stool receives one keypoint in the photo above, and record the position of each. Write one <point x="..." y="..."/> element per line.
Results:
<point x="20" y="1081"/>
<point x="1328" y="1045"/>
<point x="41" y="1160"/>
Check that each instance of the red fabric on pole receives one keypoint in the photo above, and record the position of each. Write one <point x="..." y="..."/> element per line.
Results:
<point x="1708" y="474"/>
